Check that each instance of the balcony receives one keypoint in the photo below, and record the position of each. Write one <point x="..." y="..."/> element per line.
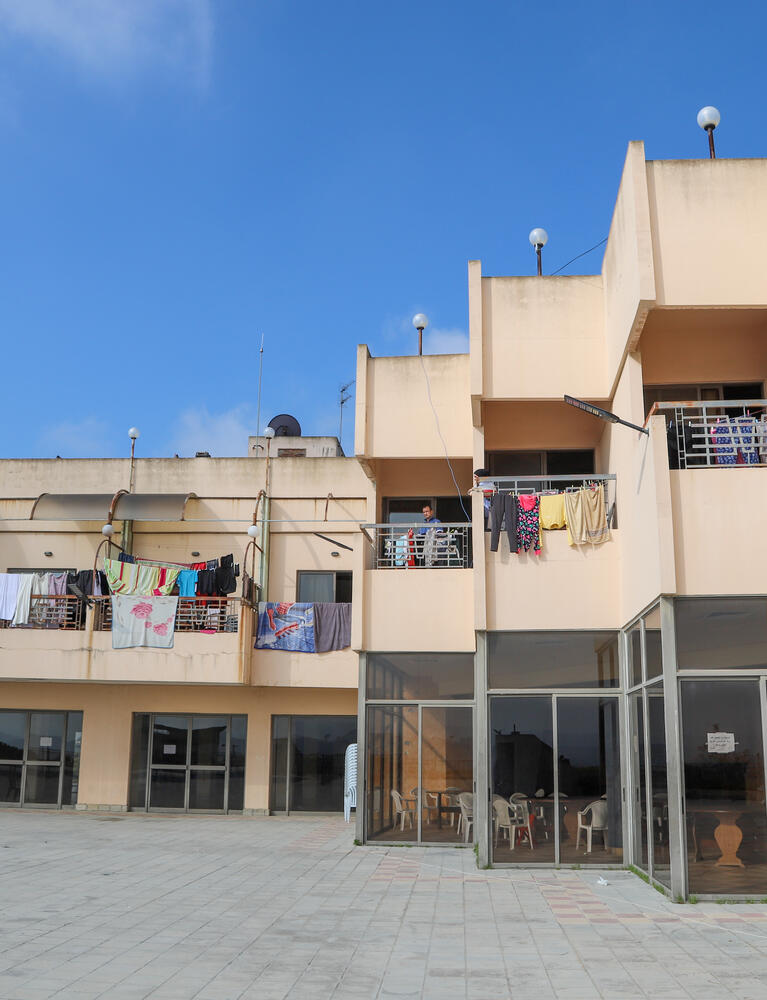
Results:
<point x="69" y="640"/>
<point x="414" y="546"/>
<point x="722" y="433"/>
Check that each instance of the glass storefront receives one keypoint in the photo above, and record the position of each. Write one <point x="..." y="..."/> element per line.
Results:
<point x="40" y="758"/>
<point x="307" y="773"/>
<point x="187" y="763"/>
<point x="419" y="782"/>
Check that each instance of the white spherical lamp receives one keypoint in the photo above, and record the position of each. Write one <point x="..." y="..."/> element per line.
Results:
<point x="254" y="531"/>
<point x="134" y="433"/>
<point x="709" y="117"/>
<point x="420" y="321"/>
<point x="269" y="432"/>
<point x="538" y="237"/>
<point x="107" y="531"/>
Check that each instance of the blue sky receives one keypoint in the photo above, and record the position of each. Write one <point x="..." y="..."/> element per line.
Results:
<point x="183" y="176"/>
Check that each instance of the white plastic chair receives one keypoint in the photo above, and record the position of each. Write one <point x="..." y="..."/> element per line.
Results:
<point x="513" y="816"/>
<point x="402" y="808"/>
<point x="466" y="819"/>
<point x="350" y="780"/>
<point x="598" y="822"/>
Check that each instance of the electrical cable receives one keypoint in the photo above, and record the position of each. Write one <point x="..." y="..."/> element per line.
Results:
<point x="579" y="256"/>
<point x="439" y="432"/>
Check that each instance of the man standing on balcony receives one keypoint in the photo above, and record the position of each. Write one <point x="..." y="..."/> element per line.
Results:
<point x="429" y="544"/>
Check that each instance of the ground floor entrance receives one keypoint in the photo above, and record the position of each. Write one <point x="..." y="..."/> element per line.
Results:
<point x="187" y="763"/>
<point x="39" y="758"/>
<point x="307" y="762"/>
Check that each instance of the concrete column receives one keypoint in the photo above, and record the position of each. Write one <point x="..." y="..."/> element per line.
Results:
<point x="674" y="761"/>
<point x="359" y="813"/>
<point x="481" y="754"/>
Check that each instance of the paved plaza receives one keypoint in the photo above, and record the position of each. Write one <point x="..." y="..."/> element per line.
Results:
<point x="218" y="908"/>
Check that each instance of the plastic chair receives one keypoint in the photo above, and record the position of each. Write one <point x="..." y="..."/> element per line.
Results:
<point x="598" y="822"/>
<point x="402" y="808"/>
<point x="466" y="819"/>
<point x="350" y="780"/>
<point x="518" y="819"/>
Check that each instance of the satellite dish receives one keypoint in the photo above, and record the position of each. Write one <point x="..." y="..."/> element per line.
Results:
<point x="284" y="425"/>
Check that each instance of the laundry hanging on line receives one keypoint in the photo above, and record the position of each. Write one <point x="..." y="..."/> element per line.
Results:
<point x="303" y="627"/>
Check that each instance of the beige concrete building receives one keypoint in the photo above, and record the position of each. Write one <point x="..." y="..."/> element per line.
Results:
<point x="598" y="702"/>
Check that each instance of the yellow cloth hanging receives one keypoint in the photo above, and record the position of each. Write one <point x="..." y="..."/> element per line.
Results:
<point x="553" y="511"/>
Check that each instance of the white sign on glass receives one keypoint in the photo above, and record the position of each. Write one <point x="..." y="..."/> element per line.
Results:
<point x="46" y="741"/>
<point x="720" y="742"/>
<point x="169" y="748"/>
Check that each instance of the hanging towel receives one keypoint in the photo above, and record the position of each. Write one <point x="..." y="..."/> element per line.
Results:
<point x="187" y="583"/>
<point x="586" y="517"/>
<point x="40" y="584"/>
<point x="332" y="627"/>
<point x="553" y="512"/>
<point x="138" y="620"/>
<point x="285" y="626"/>
<point x="21" y="615"/>
<point x="136" y="578"/>
<point x="57" y="583"/>
<point x="9" y="591"/>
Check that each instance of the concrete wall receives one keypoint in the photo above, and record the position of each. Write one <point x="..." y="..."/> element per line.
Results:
<point x="394" y="416"/>
<point x="419" y="609"/>
<point x="708" y="221"/>
<point x="108" y="710"/>
<point x="520" y="426"/>
<point x="543" y="337"/>
<point x="720" y="530"/>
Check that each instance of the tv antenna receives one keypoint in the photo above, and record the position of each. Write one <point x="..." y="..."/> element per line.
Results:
<point x="343" y="397"/>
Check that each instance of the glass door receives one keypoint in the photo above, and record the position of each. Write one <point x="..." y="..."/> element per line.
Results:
<point x="391" y="786"/>
<point x="723" y="747"/>
<point x="445" y="792"/>
<point x="188" y="763"/>
<point x="307" y="762"/>
<point x="40" y="758"/>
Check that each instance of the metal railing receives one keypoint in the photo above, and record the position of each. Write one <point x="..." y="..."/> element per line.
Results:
<point x="420" y="546"/>
<point x="702" y="434"/>
<point x="55" y="611"/>
<point x="195" y="614"/>
<point x="558" y="483"/>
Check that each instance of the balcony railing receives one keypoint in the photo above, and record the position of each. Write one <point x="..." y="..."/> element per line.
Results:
<point x="420" y="546"/>
<point x="195" y="614"/>
<point x="555" y="484"/>
<point x="54" y="611"/>
<point x="719" y="432"/>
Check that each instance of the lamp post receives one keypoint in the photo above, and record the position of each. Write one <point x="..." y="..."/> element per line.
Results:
<point x="420" y="322"/>
<point x="133" y="434"/>
<point x="263" y="581"/>
<point x="538" y="238"/>
<point x="708" y="119"/>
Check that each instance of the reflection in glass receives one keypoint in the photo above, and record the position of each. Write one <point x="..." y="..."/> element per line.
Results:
<point x="720" y="632"/>
<point x="522" y="778"/>
<point x="10" y="782"/>
<point x="635" y="656"/>
<point x="392" y="779"/>
<point x="12" y="728"/>
<point x="72" y="749"/>
<point x="280" y="735"/>
<point x="208" y="740"/>
<point x="447" y="770"/>
<point x="589" y="781"/>
<point x="237" y="740"/>
<point x="653" y="653"/>
<point x="636" y="710"/>
<point x="406" y="676"/>
<point x="661" y="860"/>
<point x="41" y="784"/>
<point x="724" y="786"/>
<point x="318" y="747"/>
<point x="552" y="659"/>
<point x="169" y="739"/>
<point x="167" y="788"/>
<point x="138" y="762"/>
<point x="206" y="789"/>
<point x="46" y="735"/>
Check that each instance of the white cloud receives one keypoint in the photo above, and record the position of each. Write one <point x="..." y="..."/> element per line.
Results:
<point x="224" y="435"/>
<point x="87" y="438"/>
<point x="118" y="37"/>
<point x="451" y="341"/>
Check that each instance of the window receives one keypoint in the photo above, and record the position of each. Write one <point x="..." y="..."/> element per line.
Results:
<point x="570" y="462"/>
<point x="552" y="659"/>
<point x="705" y="393"/>
<point x="409" y="510"/>
<point x="324" y="587"/>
